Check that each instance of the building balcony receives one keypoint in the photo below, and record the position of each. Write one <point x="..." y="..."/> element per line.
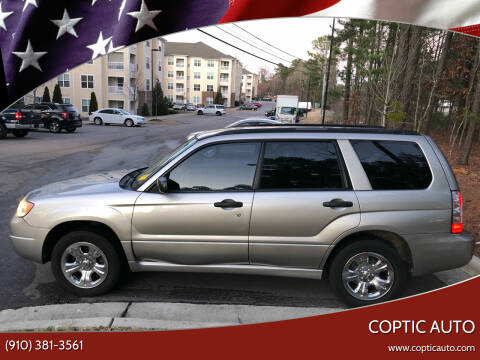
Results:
<point x="224" y="80"/>
<point x="115" y="65"/>
<point x="227" y="68"/>
<point x="180" y="90"/>
<point x="115" y="89"/>
<point x="178" y="65"/>
<point x="180" y="78"/>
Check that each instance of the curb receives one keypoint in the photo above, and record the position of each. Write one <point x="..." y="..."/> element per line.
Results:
<point x="473" y="267"/>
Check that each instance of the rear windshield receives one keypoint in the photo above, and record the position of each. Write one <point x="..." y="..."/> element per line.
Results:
<point x="393" y="165"/>
<point x="69" y="108"/>
<point x="7" y="111"/>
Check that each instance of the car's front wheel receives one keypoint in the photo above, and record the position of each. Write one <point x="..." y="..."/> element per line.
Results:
<point x="199" y="112"/>
<point x="219" y="113"/>
<point x="3" y="131"/>
<point x="85" y="263"/>
<point x="367" y="272"/>
<point x="129" y="123"/>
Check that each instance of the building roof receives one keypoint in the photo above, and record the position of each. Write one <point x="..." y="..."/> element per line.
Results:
<point x="198" y="49"/>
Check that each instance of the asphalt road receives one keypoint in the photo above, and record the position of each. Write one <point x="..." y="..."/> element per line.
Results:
<point x="42" y="158"/>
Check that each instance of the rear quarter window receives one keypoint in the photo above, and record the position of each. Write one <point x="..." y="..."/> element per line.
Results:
<point x="393" y="165"/>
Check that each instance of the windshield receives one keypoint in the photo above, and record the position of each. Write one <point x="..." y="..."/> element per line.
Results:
<point x="124" y="112"/>
<point x="287" y="110"/>
<point x="146" y="174"/>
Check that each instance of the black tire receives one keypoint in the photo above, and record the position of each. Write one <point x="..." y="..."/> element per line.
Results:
<point x="199" y="112"/>
<point x="129" y="123"/>
<point x="20" y="133"/>
<point x="54" y="126"/>
<point x="3" y="131"/>
<point x="98" y="121"/>
<point x="113" y="259"/>
<point x="71" y="129"/>
<point x="335" y="269"/>
<point x="219" y="113"/>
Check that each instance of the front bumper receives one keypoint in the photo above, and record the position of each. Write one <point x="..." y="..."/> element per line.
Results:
<point x="27" y="240"/>
<point x="438" y="252"/>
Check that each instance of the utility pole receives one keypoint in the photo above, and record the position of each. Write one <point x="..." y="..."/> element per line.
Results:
<point x="325" y="94"/>
<point x="308" y="91"/>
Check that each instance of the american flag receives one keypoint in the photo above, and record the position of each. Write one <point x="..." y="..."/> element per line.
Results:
<point x="40" y="39"/>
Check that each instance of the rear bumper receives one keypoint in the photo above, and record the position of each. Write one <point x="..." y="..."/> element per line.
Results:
<point x="11" y="126"/>
<point x="74" y="123"/>
<point x="438" y="252"/>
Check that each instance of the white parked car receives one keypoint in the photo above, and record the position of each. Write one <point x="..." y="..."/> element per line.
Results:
<point x="115" y="116"/>
<point x="212" y="109"/>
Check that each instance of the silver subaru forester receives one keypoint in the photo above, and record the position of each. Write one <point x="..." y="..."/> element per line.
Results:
<point x="367" y="206"/>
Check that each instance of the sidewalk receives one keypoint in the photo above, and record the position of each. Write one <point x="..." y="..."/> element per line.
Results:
<point x="170" y="316"/>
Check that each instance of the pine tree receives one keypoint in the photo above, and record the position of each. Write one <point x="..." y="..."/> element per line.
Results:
<point x="160" y="106"/>
<point x="46" y="95"/>
<point x="218" y="97"/>
<point x="93" y="103"/>
<point x="57" y="95"/>
<point x="145" y="111"/>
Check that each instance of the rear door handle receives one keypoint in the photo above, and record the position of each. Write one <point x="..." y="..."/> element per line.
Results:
<point x="338" y="203"/>
<point x="228" y="203"/>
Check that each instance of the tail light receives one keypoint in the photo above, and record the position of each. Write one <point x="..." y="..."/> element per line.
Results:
<point x="18" y="116"/>
<point x="457" y="216"/>
<point x="65" y="115"/>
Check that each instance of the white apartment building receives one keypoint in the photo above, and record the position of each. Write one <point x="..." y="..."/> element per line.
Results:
<point x="121" y="79"/>
<point x="194" y="71"/>
<point x="249" y="85"/>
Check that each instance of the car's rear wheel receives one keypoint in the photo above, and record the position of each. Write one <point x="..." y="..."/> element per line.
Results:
<point x="54" y="126"/>
<point x="20" y="133"/>
<point x="199" y="112"/>
<point x="3" y="131"/>
<point x="85" y="263"/>
<point x="219" y="113"/>
<point x="98" y="121"/>
<point x="129" y="123"/>
<point x="367" y="272"/>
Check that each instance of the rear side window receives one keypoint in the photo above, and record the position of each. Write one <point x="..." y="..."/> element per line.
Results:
<point x="393" y="165"/>
<point x="301" y="165"/>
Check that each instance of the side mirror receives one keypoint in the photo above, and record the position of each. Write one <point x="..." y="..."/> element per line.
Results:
<point x="162" y="184"/>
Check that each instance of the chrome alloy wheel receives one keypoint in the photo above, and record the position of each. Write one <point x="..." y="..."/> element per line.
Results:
<point x="84" y="265"/>
<point x="368" y="276"/>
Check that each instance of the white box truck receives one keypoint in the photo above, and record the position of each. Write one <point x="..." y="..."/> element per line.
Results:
<point x="286" y="109"/>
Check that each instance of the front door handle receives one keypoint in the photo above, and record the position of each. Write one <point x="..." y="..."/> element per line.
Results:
<point x="228" y="203"/>
<point x="338" y="203"/>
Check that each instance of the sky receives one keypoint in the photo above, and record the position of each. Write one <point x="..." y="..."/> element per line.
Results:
<point x="292" y="35"/>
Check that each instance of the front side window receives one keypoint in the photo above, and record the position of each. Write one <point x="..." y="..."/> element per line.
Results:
<point x="301" y="165"/>
<point x="287" y="110"/>
<point x="393" y="165"/>
<point x="221" y="167"/>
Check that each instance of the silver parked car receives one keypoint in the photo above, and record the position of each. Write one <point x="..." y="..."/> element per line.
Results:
<point x="366" y="206"/>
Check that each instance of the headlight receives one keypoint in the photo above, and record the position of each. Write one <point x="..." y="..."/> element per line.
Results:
<point x="24" y="208"/>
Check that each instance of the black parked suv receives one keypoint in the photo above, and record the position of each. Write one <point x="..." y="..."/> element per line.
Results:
<point x="58" y="116"/>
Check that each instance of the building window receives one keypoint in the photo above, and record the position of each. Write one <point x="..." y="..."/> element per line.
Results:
<point x="196" y="87"/>
<point x="170" y="97"/>
<point x="170" y="86"/>
<point x="225" y="64"/>
<point x="147" y="84"/>
<point x="197" y="62"/>
<point x="87" y="81"/>
<point x="159" y="67"/>
<point x="196" y="75"/>
<point x="64" y="80"/>
<point x="170" y="60"/>
<point x="147" y="62"/>
<point x="170" y="73"/>
<point x="85" y="105"/>
<point x="147" y="43"/>
<point x="66" y="100"/>
<point x="209" y="87"/>
<point x="37" y="99"/>
<point x="210" y="63"/>
<point x="209" y="100"/>
<point x="210" y="76"/>
<point x="196" y="100"/>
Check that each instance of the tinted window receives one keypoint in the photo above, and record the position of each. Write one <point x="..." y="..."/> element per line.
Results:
<point x="393" y="165"/>
<point x="217" y="168"/>
<point x="300" y="165"/>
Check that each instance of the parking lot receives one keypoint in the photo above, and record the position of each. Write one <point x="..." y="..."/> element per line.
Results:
<point x="42" y="158"/>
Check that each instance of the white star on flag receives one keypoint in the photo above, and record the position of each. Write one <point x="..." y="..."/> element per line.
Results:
<point x="99" y="47"/>
<point x="29" y="57"/>
<point x="66" y="24"/>
<point x="145" y="17"/>
<point x="29" y="2"/>
<point x="3" y="16"/>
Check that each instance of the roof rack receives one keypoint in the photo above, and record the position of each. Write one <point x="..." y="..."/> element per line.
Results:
<point x="330" y="128"/>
